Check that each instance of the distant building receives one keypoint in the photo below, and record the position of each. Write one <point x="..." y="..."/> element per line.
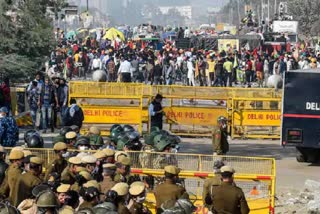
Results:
<point x="185" y="11"/>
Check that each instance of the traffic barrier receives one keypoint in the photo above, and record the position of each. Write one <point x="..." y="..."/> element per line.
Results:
<point x="191" y="111"/>
<point x="256" y="176"/>
<point x="107" y="104"/>
<point x="256" y="117"/>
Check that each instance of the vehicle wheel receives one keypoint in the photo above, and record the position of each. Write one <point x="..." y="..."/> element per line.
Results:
<point x="300" y="158"/>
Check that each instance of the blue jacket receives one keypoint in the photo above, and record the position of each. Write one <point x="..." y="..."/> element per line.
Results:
<point x="9" y="132"/>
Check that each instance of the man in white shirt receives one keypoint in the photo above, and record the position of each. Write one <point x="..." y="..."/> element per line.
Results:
<point x="96" y="63"/>
<point x="125" y="70"/>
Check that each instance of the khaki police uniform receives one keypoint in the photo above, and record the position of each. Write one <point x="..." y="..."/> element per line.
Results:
<point x="137" y="188"/>
<point x="169" y="190"/>
<point x="58" y="164"/>
<point x="25" y="183"/>
<point x="12" y="174"/>
<point x="125" y="161"/>
<point x="220" y="141"/>
<point x="210" y="185"/>
<point x="228" y="198"/>
<point x="122" y="189"/>
<point x="67" y="177"/>
<point x="107" y="183"/>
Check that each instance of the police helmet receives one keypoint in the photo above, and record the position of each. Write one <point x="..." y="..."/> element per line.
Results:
<point x="39" y="189"/>
<point x="90" y="193"/>
<point x="116" y="127"/>
<point x="149" y="138"/>
<point x="107" y="206"/>
<point x="162" y="144"/>
<point x="135" y="145"/>
<point x="123" y="140"/>
<point x="83" y="140"/>
<point x="134" y="135"/>
<point x="222" y="119"/>
<point x="158" y="138"/>
<point x="8" y="209"/>
<point x="174" y="139"/>
<point x="86" y="211"/>
<point x="65" y="130"/>
<point x="96" y="140"/>
<point x="35" y="141"/>
<point x="29" y="134"/>
<point x="186" y="205"/>
<point x="46" y="199"/>
<point x="128" y="128"/>
<point x="115" y="134"/>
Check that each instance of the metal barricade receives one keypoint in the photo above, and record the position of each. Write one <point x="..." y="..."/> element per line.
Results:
<point x="256" y="176"/>
<point x="256" y="117"/>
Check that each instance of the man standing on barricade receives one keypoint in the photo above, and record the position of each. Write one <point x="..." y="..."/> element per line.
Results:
<point x="220" y="137"/>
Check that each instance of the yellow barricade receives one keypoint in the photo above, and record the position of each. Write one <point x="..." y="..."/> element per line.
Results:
<point x="188" y="110"/>
<point x="256" y="176"/>
<point x="256" y="117"/>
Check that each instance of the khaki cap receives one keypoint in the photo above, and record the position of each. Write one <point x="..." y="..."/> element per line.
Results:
<point x="227" y="169"/>
<point x="86" y="175"/>
<point x="121" y="188"/>
<point x="36" y="160"/>
<point x="60" y="146"/>
<point x="71" y="135"/>
<point x="27" y="153"/>
<point x="75" y="160"/>
<point x="109" y="166"/>
<point x="124" y="160"/>
<point x="94" y="130"/>
<point x="16" y="155"/>
<point x="92" y="183"/>
<point x="120" y="154"/>
<point x="19" y="148"/>
<point x="109" y="152"/>
<point x="136" y="190"/>
<point x="137" y="183"/>
<point x="90" y="159"/>
<point x="100" y="154"/>
<point x="81" y="155"/>
<point x="63" y="188"/>
<point x="2" y="149"/>
<point x="172" y="169"/>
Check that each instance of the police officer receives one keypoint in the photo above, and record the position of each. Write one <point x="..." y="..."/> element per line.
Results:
<point x="61" y="193"/>
<point x="47" y="202"/>
<point x="156" y="112"/>
<point x="97" y="172"/>
<point x="12" y="174"/>
<point x="110" y="155"/>
<point x="26" y="182"/>
<point x="81" y="178"/>
<point x="122" y="190"/>
<point x="108" y="182"/>
<point x="90" y="194"/>
<point x="212" y="183"/>
<point x="71" y="138"/>
<point x="169" y="190"/>
<point x="220" y="137"/>
<point x="59" y="163"/>
<point x="123" y="169"/>
<point x="3" y="165"/>
<point x="69" y="173"/>
<point x="138" y="196"/>
<point x="228" y="198"/>
<point x="89" y="163"/>
<point x="96" y="141"/>
<point x="62" y="135"/>
<point x="9" y="131"/>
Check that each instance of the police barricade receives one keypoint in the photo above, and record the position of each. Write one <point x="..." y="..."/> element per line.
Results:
<point x="256" y="176"/>
<point x="105" y="104"/>
<point x="256" y="117"/>
<point x="190" y="111"/>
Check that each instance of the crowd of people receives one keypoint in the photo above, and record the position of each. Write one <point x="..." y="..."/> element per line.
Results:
<point x="136" y="61"/>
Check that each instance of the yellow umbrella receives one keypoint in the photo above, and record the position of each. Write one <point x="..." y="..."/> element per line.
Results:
<point x="112" y="33"/>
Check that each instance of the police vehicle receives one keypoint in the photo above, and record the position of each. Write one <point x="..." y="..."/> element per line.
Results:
<point x="301" y="113"/>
